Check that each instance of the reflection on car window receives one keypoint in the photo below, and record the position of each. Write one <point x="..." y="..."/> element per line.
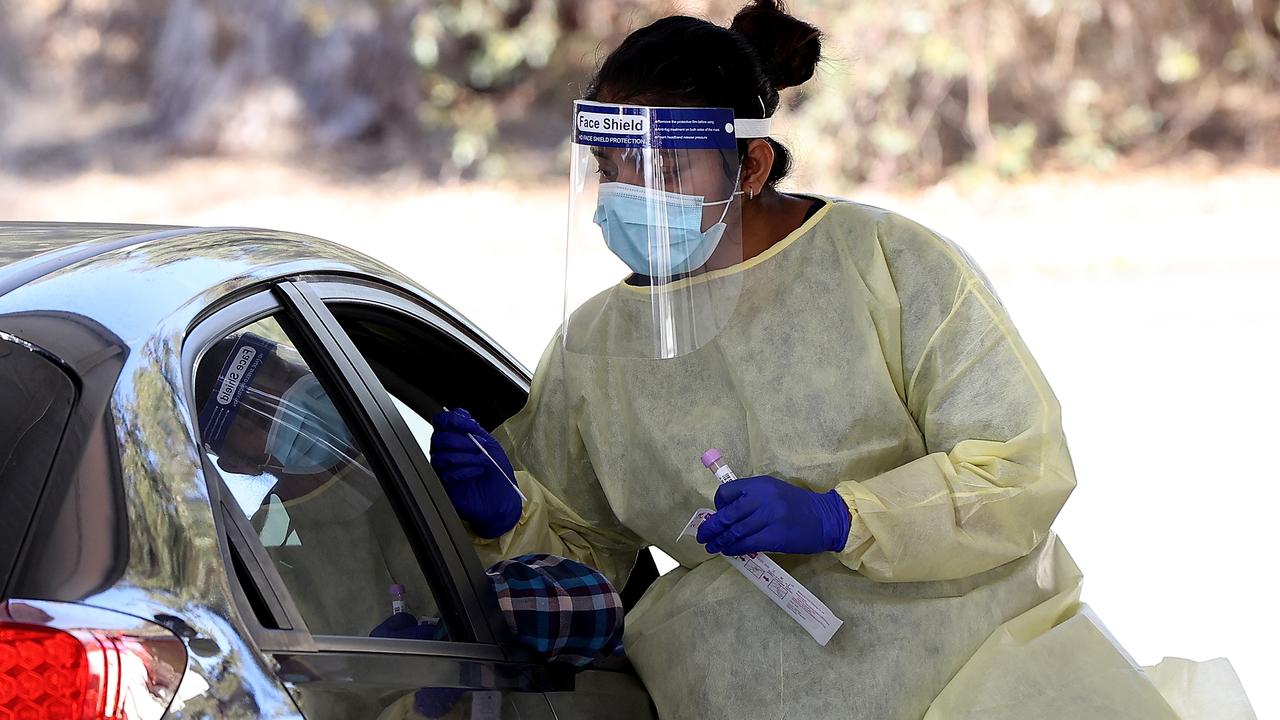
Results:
<point x="302" y="479"/>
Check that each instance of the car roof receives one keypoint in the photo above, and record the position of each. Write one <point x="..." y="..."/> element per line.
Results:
<point x="135" y="281"/>
<point x="24" y="240"/>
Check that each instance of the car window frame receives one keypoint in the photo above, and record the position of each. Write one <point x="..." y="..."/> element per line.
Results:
<point x="418" y="309"/>
<point x="319" y="291"/>
<point x="421" y="307"/>
<point x="474" y="635"/>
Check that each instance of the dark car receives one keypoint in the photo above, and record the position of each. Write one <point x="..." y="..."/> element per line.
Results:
<point x="141" y="577"/>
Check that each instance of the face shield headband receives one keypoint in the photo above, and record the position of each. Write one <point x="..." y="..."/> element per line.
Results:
<point x="234" y="379"/>
<point x="636" y="126"/>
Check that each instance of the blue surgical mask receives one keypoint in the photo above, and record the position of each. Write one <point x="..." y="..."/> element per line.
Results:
<point x="307" y="434"/>
<point x="623" y="217"/>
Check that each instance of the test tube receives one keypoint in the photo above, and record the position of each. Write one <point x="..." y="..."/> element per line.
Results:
<point x="398" y="602"/>
<point x="714" y="461"/>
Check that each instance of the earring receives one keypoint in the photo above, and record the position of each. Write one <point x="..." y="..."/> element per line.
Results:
<point x="751" y="194"/>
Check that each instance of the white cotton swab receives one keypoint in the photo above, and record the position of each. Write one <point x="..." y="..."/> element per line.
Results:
<point x="510" y="479"/>
<point x="500" y="468"/>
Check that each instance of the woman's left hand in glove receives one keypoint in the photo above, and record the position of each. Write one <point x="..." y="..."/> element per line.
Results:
<point x="765" y="514"/>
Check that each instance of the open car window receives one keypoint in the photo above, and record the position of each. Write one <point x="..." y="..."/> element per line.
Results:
<point x="426" y="370"/>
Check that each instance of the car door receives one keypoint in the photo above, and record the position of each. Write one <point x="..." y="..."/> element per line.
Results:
<point x="427" y="359"/>
<point x="313" y="552"/>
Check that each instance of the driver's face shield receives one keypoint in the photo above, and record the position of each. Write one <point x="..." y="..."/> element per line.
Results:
<point x="278" y="419"/>
<point x="283" y="434"/>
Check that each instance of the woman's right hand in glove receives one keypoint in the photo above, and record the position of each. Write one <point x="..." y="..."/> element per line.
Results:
<point x="480" y="488"/>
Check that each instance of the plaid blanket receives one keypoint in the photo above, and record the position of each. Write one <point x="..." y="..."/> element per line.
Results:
<point x="561" y="609"/>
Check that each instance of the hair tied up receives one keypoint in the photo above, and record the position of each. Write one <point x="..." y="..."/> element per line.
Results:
<point x="789" y="48"/>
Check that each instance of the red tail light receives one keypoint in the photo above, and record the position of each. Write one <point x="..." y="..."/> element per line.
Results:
<point x="44" y="673"/>
<point x="60" y="668"/>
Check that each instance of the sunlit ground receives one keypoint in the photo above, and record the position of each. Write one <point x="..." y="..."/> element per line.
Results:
<point x="1152" y="302"/>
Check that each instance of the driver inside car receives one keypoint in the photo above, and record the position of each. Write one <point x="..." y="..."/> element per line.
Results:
<point x="294" y="467"/>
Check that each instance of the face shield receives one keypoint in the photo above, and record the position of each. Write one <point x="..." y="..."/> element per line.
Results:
<point x="268" y="412"/>
<point x="655" y="221"/>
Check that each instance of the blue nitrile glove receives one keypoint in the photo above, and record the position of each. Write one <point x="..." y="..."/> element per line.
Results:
<point x="437" y="702"/>
<point x="404" y="626"/>
<point x="765" y="514"/>
<point x="430" y="702"/>
<point x="480" y="491"/>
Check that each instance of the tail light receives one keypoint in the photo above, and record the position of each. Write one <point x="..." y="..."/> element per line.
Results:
<point x="62" y="661"/>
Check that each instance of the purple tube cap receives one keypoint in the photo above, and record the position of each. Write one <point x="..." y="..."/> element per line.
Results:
<point x="397" y="589"/>
<point x="711" y="457"/>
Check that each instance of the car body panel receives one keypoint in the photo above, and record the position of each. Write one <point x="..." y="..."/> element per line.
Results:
<point x="78" y="265"/>
<point x="148" y="287"/>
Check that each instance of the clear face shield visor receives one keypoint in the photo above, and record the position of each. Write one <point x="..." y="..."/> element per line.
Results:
<point x="268" y="413"/>
<point x="655" y="227"/>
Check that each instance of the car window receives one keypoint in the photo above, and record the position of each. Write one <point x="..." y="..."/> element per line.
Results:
<point x="426" y="369"/>
<point x="302" y="478"/>
<point x="37" y="398"/>
<point x="85" y="547"/>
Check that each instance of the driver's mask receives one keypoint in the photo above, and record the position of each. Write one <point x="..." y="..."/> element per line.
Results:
<point x="307" y="434"/>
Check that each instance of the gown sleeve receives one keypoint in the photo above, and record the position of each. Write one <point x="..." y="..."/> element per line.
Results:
<point x="997" y="469"/>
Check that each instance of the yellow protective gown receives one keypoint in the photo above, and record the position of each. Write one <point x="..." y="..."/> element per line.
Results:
<point x="868" y="355"/>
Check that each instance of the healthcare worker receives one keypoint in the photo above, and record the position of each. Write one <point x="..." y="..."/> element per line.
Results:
<point x="901" y="454"/>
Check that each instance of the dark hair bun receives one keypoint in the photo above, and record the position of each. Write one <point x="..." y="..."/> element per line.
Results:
<point x="789" y="48"/>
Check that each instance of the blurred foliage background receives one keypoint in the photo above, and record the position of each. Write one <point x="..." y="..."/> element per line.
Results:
<point x="1099" y="158"/>
<point x="478" y="89"/>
